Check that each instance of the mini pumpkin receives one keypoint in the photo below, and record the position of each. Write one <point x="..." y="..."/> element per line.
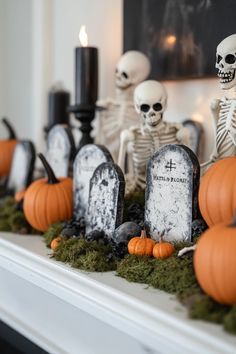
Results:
<point x="19" y="196"/>
<point x="217" y="192"/>
<point x="48" y="200"/>
<point x="141" y="246"/>
<point x="163" y="249"/>
<point x="55" y="242"/>
<point x="215" y="263"/>
<point x="7" y="147"/>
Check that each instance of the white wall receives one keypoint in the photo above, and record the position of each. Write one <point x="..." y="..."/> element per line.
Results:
<point x="16" y="65"/>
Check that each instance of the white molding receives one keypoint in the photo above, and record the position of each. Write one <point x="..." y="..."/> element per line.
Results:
<point x="149" y="317"/>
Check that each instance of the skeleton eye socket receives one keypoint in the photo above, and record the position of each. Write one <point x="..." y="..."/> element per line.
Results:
<point x="230" y="59"/>
<point x="157" y="107"/>
<point x="145" y="107"/>
<point x="218" y="59"/>
<point x="124" y="75"/>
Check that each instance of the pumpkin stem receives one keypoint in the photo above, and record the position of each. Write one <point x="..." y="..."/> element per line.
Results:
<point x="12" y="134"/>
<point x="143" y="234"/>
<point x="51" y="176"/>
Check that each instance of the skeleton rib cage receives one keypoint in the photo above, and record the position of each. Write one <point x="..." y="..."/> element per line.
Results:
<point x="226" y="129"/>
<point x="145" y="145"/>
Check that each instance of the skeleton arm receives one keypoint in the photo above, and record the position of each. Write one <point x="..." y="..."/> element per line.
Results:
<point x="126" y="137"/>
<point x="183" y="135"/>
<point x="215" y="110"/>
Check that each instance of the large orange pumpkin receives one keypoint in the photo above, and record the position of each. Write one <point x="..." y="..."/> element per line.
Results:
<point x="7" y="147"/>
<point x="48" y="200"/>
<point x="217" y="193"/>
<point x="215" y="263"/>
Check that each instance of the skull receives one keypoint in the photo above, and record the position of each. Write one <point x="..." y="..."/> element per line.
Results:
<point x="132" y="68"/>
<point x="226" y="62"/>
<point x="150" y="98"/>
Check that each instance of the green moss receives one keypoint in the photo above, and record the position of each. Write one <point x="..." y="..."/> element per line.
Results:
<point x="135" y="268"/>
<point x="230" y="321"/>
<point x="11" y="219"/>
<point x="53" y="231"/>
<point x="89" y="256"/>
<point x="205" y="308"/>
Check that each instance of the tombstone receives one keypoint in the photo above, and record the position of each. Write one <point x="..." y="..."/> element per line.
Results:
<point x="106" y="199"/>
<point x="86" y="161"/>
<point x="196" y="136"/>
<point x="171" y="199"/>
<point x="22" y="166"/>
<point x="60" y="149"/>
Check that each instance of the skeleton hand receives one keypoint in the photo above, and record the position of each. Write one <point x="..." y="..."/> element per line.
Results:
<point x="183" y="135"/>
<point x="126" y="137"/>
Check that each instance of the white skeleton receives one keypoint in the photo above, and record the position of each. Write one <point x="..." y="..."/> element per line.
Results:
<point x="150" y="99"/>
<point x="224" y="110"/>
<point x="119" y="113"/>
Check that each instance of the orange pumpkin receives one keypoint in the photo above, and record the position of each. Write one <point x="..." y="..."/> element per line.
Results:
<point x="48" y="200"/>
<point x="55" y="242"/>
<point x="141" y="246"/>
<point x="7" y="147"/>
<point x="163" y="249"/>
<point x="19" y="196"/>
<point x="215" y="263"/>
<point x="217" y="192"/>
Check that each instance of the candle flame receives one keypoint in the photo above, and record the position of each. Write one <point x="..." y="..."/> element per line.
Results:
<point x="170" y="41"/>
<point x="83" y="37"/>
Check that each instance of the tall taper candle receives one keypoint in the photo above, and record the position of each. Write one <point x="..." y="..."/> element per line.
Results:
<point x="86" y="75"/>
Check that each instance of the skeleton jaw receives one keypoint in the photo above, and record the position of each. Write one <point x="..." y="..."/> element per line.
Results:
<point x="227" y="79"/>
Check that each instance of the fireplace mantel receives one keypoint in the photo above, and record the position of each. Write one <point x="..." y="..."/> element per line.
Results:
<point x="64" y="310"/>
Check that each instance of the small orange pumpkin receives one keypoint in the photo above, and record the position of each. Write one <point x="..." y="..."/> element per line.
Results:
<point x="55" y="242"/>
<point x="48" y="200"/>
<point x="215" y="263"/>
<point x="163" y="249"/>
<point x="141" y="246"/>
<point x="19" y="196"/>
<point x="217" y="192"/>
<point x="7" y="147"/>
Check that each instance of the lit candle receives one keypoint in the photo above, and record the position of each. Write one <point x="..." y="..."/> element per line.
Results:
<point x="86" y="72"/>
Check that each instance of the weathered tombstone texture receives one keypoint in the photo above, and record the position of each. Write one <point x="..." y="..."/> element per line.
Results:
<point x="173" y="174"/>
<point x="106" y="199"/>
<point x="60" y="148"/>
<point x="22" y="167"/>
<point x="86" y="161"/>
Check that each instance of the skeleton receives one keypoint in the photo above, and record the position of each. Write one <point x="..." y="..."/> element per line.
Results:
<point x="224" y="110"/>
<point x="119" y="113"/>
<point x="150" y="99"/>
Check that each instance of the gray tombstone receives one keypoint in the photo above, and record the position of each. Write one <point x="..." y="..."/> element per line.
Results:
<point x="22" y="166"/>
<point x="196" y="136"/>
<point x="60" y="148"/>
<point x="171" y="200"/>
<point x="86" y="161"/>
<point x="106" y="199"/>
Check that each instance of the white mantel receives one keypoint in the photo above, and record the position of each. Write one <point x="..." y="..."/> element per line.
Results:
<point x="68" y="311"/>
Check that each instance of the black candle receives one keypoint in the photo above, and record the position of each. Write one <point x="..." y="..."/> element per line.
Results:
<point x="58" y="102"/>
<point x="86" y="75"/>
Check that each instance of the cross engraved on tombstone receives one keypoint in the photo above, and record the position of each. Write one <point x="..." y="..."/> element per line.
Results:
<point x="22" y="166"/>
<point x="60" y="148"/>
<point x="86" y="161"/>
<point x="171" y="199"/>
<point x="106" y="199"/>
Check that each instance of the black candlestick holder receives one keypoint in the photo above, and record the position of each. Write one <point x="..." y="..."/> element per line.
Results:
<point x="85" y="114"/>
